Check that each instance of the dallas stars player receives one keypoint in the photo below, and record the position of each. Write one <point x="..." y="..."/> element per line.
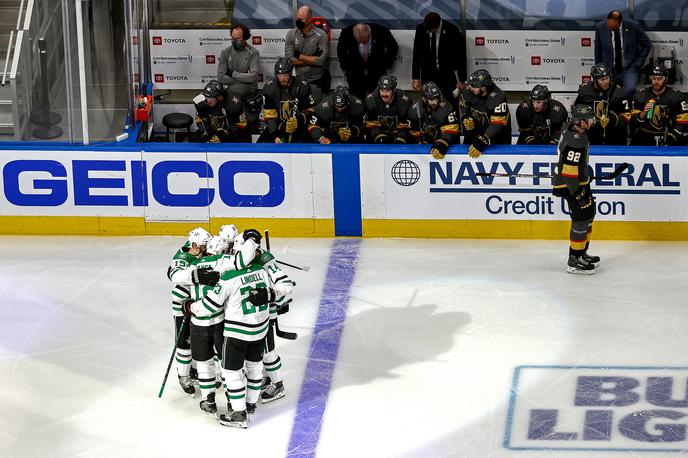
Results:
<point x="387" y="112"/>
<point x="185" y="276"/>
<point x="540" y="119"/>
<point x="287" y="108"/>
<point x="206" y="331"/>
<point x="486" y="119"/>
<point x="220" y="118"/>
<point x="660" y="113"/>
<point x="338" y="118"/>
<point x="434" y="121"/>
<point x="244" y="295"/>
<point x="610" y="104"/>
<point x="572" y="182"/>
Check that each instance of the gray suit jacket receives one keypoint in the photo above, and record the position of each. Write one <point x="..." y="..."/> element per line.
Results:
<point x="636" y="45"/>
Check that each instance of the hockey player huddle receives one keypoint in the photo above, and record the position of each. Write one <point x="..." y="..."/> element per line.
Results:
<point x="226" y="294"/>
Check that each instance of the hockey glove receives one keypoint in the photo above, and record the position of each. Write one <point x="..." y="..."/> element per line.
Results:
<point x="205" y="276"/>
<point x="291" y="125"/>
<point x="439" y="149"/>
<point x="604" y="120"/>
<point x="582" y="197"/>
<point x="253" y="235"/>
<point x="468" y="123"/>
<point x="344" y="133"/>
<point x="324" y="140"/>
<point x="261" y="296"/>
<point x="479" y="144"/>
<point x="186" y="307"/>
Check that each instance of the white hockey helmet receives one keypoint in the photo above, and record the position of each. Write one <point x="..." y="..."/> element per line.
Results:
<point x="217" y="245"/>
<point x="229" y="232"/>
<point x="199" y="236"/>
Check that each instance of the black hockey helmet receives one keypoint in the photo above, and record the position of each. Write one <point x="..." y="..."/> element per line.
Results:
<point x="283" y="66"/>
<point x="430" y="90"/>
<point x="213" y="89"/>
<point x="480" y="78"/>
<point x="581" y="113"/>
<point x="659" y="71"/>
<point x="387" y="82"/>
<point x="539" y="92"/>
<point x="599" y="71"/>
<point x="340" y="97"/>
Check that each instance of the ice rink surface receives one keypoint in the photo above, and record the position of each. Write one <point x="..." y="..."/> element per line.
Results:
<point x="430" y="348"/>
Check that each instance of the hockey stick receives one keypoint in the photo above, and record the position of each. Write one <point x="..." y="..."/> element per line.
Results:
<point x="169" y="365"/>
<point x="267" y="245"/>
<point x="618" y="171"/>
<point x="283" y="334"/>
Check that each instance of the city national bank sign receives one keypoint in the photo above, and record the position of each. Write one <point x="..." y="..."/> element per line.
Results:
<point x="587" y="408"/>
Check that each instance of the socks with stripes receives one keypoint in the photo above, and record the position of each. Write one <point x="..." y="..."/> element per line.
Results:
<point x="272" y="365"/>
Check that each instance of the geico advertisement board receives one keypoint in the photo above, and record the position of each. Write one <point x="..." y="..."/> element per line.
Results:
<point x="419" y="187"/>
<point x="166" y="186"/>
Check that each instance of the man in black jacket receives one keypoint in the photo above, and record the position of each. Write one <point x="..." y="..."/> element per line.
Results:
<point x="366" y="52"/>
<point x="439" y="55"/>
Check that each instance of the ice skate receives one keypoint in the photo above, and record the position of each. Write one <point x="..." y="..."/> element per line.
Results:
<point x="187" y="384"/>
<point x="208" y="405"/>
<point x="591" y="259"/>
<point x="579" y="266"/>
<point x="235" y="419"/>
<point x="272" y="393"/>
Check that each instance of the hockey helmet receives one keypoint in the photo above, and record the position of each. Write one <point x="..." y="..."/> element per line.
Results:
<point x="539" y="92"/>
<point x="213" y="89"/>
<point x="659" y="71"/>
<point x="340" y="97"/>
<point x="228" y="232"/>
<point x="430" y="90"/>
<point x="217" y="245"/>
<point x="480" y="78"/>
<point x="599" y="71"/>
<point x="387" y="82"/>
<point x="283" y="66"/>
<point x="582" y="113"/>
<point x="199" y="236"/>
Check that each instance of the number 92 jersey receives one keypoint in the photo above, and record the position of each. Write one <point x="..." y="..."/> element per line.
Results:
<point x="572" y="166"/>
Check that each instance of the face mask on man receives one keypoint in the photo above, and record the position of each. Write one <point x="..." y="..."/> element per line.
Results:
<point x="300" y="24"/>
<point x="238" y="44"/>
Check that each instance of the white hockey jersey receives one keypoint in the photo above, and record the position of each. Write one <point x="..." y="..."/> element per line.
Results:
<point x="242" y="319"/>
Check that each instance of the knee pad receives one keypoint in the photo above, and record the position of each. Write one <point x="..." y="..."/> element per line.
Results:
<point x="270" y="357"/>
<point x="235" y="377"/>
<point x="254" y="369"/>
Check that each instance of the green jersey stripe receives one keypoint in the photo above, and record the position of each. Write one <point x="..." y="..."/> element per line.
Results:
<point x="246" y="332"/>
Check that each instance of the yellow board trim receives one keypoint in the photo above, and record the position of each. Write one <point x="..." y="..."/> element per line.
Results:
<point x="522" y="229"/>
<point x="107" y="225"/>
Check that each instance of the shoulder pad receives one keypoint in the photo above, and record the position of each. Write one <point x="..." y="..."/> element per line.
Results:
<point x="573" y="139"/>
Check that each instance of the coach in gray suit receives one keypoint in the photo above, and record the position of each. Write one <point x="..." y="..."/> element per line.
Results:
<point x="623" y="46"/>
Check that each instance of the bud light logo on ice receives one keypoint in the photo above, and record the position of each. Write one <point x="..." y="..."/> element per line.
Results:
<point x="620" y="409"/>
<point x="49" y="183"/>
